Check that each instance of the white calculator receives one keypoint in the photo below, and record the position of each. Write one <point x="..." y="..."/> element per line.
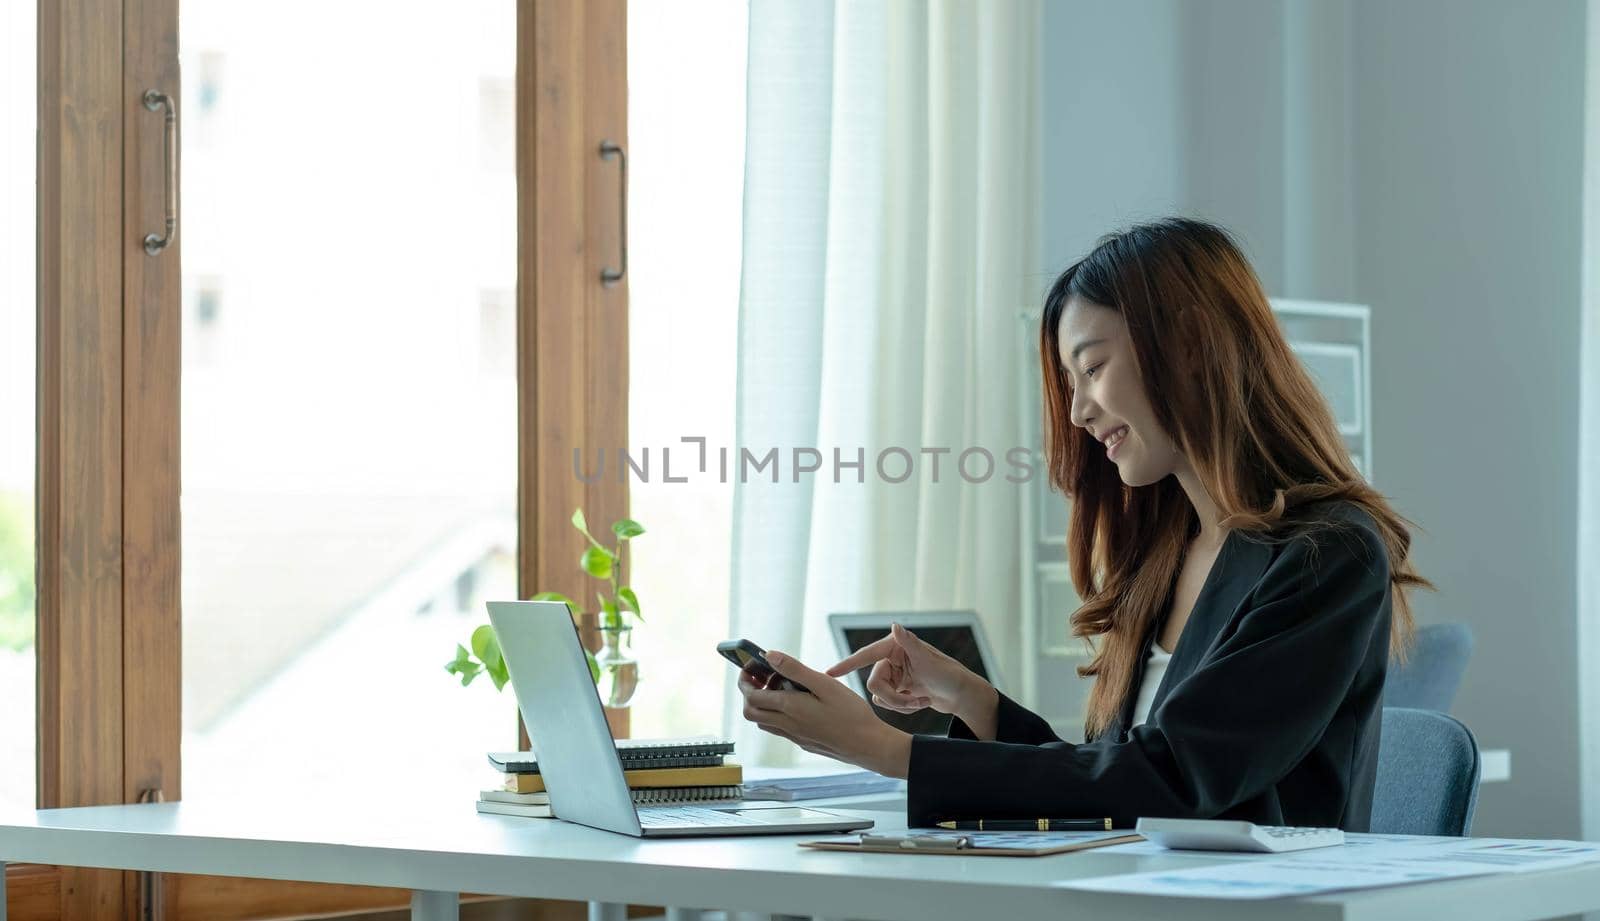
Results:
<point x="1228" y="835"/>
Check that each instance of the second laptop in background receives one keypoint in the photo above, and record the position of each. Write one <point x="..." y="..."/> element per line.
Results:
<point x="957" y="634"/>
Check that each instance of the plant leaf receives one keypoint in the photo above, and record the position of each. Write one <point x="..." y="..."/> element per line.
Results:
<point x="486" y="646"/>
<point x="627" y="528"/>
<point x="608" y="611"/>
<point x="597" y="561"/>
<point x="463" y="666"/>
<point x="581" y="524"/>
<point x="594" y="666"/>
<point x="572" y="606"/>
<point x="500" y="676"/>
<point x="630" y="601"/>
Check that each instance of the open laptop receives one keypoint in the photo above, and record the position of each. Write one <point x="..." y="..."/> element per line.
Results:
<point x="578" y="756"/>
<point x="957" y="634"/>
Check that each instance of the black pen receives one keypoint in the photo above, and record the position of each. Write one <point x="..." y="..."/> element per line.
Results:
<point x="1029" y="825"/>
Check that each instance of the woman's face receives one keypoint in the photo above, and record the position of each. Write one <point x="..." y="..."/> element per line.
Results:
<point x="1108" y="396"/>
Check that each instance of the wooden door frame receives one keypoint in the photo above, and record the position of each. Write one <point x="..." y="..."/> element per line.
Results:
<point x="100" y="579"/>
<point x="572" y="330"/>
<point x="109" y="325"/>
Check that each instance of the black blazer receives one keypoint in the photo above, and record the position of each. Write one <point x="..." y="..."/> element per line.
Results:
<point x="1269" y="711"/>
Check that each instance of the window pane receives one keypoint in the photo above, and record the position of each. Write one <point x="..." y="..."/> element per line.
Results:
<point x="19" y="40"/>
<point x="349" y="388"/>
<point x="684" y="223"/>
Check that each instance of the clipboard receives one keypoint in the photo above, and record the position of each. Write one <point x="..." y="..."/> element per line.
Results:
<point x="978" y="844"/>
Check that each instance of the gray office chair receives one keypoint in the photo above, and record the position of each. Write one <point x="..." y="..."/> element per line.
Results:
<point x="1432" y="673"/>
<point x="1427" y="775"/>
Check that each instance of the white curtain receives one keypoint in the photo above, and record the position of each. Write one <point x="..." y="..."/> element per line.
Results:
<point x="890" y="225"/>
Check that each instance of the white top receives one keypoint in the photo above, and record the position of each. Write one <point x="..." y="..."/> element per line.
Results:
<point x="1154" y="670"/>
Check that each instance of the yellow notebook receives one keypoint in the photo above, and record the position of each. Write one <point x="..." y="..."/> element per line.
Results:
<point x="648" y="778"/>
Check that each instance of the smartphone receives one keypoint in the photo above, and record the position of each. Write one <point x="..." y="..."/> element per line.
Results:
<point x="747" y="656"/>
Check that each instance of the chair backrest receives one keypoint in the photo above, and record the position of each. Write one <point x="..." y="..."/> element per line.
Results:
<point x="1432" y="673"/>
<point x="1427" y="774"/>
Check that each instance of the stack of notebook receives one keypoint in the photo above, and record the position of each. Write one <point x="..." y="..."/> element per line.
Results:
<point x="659" y="771"/>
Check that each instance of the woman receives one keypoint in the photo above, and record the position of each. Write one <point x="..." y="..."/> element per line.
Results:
<point x="1243" y="586"/>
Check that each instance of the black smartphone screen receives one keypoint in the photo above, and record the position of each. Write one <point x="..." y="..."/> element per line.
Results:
<point x="747" y="656"/>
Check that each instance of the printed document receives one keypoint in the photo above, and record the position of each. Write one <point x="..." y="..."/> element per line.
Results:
<point x="1369" y="864"/>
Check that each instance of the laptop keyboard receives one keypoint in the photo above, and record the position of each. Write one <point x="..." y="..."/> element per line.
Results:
<point x="693" y="816"/>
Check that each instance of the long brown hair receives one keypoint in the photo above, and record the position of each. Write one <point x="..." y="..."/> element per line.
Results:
<point x="1225" y="386"/>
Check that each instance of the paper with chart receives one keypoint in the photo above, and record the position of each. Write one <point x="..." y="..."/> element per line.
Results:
<point x="1367" y="865"/>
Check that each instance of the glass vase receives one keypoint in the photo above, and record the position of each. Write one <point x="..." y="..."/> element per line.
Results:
<point x="619" y="670"/>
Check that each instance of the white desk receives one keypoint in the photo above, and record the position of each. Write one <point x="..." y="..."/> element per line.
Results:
<point x="441" y="848"/>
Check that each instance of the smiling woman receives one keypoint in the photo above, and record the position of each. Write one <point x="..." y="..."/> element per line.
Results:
<point x="1215" y="512"/>
<point x="1191" y="361"/>
<point x="1109" y="402"/>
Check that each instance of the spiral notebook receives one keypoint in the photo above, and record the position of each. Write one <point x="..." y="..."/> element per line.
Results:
<point x="696" y="751"/>
<point x="641" y="778"/>
<point x="667" y="796"/>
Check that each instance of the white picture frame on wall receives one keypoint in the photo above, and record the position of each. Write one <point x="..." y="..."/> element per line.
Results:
<point x="1336" y="368"/>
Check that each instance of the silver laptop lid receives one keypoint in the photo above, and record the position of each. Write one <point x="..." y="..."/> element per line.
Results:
<point x="559" y="703"/>
<point x="958" y="634"/>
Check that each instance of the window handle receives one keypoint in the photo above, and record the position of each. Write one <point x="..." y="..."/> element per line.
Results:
<point x="609" y="276"/>
<point x="155" y="101"/>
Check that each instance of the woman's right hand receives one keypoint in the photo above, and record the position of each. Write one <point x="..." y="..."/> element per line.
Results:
<point x="909" y="675"/>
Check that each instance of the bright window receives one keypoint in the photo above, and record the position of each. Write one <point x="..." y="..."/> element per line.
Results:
<point x="349" y="389"/>
<point x="17" y="439"/>
<point x="685" y="223"/>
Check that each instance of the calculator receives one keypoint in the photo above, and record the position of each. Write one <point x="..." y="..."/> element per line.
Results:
<point x="1229" y="835"/>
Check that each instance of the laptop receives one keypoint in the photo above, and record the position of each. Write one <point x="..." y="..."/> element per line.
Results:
<point x="957" y="634"/>
<point x="578" y="756"/>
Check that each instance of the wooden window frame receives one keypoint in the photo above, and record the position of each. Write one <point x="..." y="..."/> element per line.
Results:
<point x="108" y="480"/>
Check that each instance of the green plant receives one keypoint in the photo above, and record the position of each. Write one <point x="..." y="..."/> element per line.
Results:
<point x="600" y="562"/>
<point x="16" y="572"/>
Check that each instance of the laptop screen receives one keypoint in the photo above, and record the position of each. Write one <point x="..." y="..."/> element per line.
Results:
<point x="957" y="642"/>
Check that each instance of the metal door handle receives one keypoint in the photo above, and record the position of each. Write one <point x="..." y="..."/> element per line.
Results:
<point x="610" y="276"/>
<point x="155" y="101"/>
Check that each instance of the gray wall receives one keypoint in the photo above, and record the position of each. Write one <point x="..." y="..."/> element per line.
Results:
<point x="1112" y="121"/>
<point x="1589" y="449"/>
<point x="1469" y="166"/>
<point x="1424" y="158"/>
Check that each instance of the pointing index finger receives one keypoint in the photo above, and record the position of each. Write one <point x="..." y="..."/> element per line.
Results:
<point x="863" y="657"/>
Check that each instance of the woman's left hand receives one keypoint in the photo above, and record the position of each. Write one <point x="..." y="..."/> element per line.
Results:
<point x="829" y="719"/>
